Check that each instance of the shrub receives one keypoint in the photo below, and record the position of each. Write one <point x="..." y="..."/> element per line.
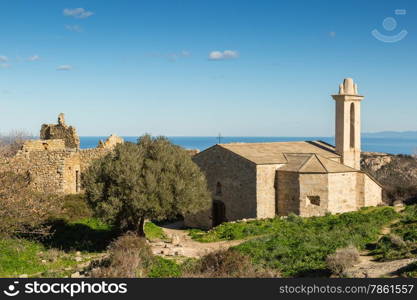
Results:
<point x="399" y="178"/>
<point x="342" y="259"/>
<point x="152" y="179"/>
<point x="11" y="143"/>
<point x="226" y="264"/>
<point x="22" y="210"/>
<point x="164" y="268"/>
<point x="130" y="257"/>
<point x="75" y="207"/>
<point x="391" y="247"/>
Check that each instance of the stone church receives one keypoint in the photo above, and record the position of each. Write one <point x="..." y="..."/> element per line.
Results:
<point x="311" y="178"/>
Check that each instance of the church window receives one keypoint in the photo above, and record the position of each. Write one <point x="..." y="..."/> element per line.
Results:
<point x="314" y="200"/>
<point x="218" y="189"/>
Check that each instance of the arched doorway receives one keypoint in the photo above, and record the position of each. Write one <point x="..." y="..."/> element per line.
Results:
<point x="219" y="212"/>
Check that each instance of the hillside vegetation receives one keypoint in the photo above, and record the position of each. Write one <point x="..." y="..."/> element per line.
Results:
<point x="397" y="174"/>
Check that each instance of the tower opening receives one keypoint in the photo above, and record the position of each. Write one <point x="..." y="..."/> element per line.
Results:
<point x="352" y="125"/>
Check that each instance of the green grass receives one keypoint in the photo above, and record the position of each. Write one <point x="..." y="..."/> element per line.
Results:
<point x="164" y="268"/>
<point x="154" y="232"/>
<point x="299" y="246"/>
<point x="237" y="230"/>
<point x="402" y="241"/>
<point x="87" y="235"/>
<point x="24" y="256"/>
<point x="19" y="256"/>
<point x="410" y="271"/>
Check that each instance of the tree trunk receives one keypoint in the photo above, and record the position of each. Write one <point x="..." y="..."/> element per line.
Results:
<point x="140" y="227"/>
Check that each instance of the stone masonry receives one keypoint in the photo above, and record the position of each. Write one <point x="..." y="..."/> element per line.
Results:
<point x="55" y="163"/>
<point x="61" y="131"/>
<point x="312" y="178"/>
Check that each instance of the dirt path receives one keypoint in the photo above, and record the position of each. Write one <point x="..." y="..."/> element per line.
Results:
<point x="182" y="245"/>
<point x="367" y="267"/>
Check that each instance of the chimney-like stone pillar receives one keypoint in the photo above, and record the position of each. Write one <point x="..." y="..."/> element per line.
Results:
<point x="348" y="123"/>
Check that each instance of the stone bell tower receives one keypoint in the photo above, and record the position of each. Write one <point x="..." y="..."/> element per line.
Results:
<point x="348" y="123"/>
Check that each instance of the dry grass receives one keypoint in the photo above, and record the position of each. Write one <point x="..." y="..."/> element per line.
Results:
<point x="22" y="210"/>
<point x="342" y="259"/>
<point x="226" y="264"/>
<point x="130" y="257"/>
<point x="13" y="142"/>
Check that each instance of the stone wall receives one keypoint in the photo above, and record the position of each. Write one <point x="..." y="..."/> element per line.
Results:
<point x="372" y="192"/>
<point x="266" y="190"/>
<point x="40" y="145"/>
<point x="61" y="131"/>
<point x="288" y="193"/>
<point x="237" y="179"/>
<point x="47" y="170"/>
<point x="53" y="167"/>
<point x="314" y="194"/>
<point x="343" y="194"/>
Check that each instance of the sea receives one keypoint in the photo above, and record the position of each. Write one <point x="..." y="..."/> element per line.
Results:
<point x="371" y="144"/>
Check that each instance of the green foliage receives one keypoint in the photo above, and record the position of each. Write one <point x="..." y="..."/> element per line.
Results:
<point x="299" y="246"/>
<point x="152" y="179"/>
<point x="89" y="234"/>
<point x="237" y="230"/>
<point x="19" y="256"/>
<point x="164" y="268"/>
<point x="154" y="232"/>
<point x="410" y="271"/>
<point x="75" y="207"/>
<point x="402" y="242"/>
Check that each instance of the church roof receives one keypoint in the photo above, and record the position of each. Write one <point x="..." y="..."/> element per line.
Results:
<point x="274" y="152"/>
<point x="313" y="163"/>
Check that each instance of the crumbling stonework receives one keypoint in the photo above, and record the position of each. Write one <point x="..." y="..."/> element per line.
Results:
<point x="61" y="131"/>
<point x="55" y="165"/>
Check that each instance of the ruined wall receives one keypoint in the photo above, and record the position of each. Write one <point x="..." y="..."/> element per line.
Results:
<point x="46" y="169"/>
<point x="61" y="131"/>
<point x="237" y="178"/>
<point x="40" y="145"/>
<point x="87" y="156"/>
<point x="314" y="194"/>
<point x="72" y="174"/>
<point x="53" y="167"/>
<point x="265" y="190"/>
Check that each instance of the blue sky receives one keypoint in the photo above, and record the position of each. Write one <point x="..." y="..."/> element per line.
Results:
<point x="197" y="68"/>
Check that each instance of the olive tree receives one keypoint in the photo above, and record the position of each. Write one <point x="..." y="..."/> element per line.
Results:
<point x="152" y="179"/>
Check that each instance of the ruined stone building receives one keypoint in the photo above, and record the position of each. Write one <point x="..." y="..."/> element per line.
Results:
<point x="263" y="180"/>
<point x="54" y="163"/>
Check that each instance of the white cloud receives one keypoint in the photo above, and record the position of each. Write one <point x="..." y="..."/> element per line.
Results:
<point x="34" y="58"/>
<point x="221" y="55"/>
<point x="4" y="66"/>
<point x="79" y="13"/>
<point x="185" y="53"/>
<point x="64" y="68"/>
<point x="3" y="58"/>
<point x="75" y="28"/>
<point x="332" y="34"/>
